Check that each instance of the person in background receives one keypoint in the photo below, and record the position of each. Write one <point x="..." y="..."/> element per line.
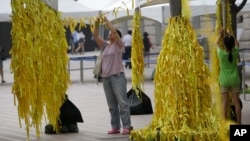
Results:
<point x="75" y="42"/>
<point x="127" y="40"/>
<point x="81" y="41"/>
<point x="113" y="77"/>
<point x="147" y="45"/>
<point x="229" y="79"/>
<point x="1" y="64"/>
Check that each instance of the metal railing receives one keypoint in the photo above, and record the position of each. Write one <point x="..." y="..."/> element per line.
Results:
<point x="243" y="63"/>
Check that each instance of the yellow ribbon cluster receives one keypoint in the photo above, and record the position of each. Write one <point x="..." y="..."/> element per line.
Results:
<point x="39" y="62"/>
<point x="183" y="98"/>
<point x="73" y="22"/>
<point x="215" y="67"/>
<point x="137" y="56"/>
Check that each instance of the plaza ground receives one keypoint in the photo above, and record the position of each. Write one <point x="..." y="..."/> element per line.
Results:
<point x="89" y="97"/>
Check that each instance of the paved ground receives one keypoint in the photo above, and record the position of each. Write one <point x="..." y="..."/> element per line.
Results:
<point x="89" y="98"/>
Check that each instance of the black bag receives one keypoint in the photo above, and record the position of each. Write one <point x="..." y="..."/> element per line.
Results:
<point x="139" y="106"/>
<point x="69" y="116"/>
<point x="69" y="113"/>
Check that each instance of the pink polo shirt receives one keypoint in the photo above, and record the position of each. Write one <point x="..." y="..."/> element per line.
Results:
<point x="112" y="60"/>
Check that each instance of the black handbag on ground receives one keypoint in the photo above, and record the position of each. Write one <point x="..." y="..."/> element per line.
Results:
<point x="70" y="113"/>
<point x="69" y="116"/>
<point x="139" y="106"/>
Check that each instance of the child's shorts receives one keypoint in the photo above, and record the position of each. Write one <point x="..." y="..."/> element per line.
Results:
<point x="233" y="89"/>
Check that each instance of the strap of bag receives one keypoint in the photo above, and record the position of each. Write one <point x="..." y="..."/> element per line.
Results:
<point x="104" y="46"/>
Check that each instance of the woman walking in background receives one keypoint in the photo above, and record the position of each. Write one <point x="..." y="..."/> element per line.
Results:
<point x="147" y="45"/>
<point x="229" y="79"/>
<point x="81" y="41"/>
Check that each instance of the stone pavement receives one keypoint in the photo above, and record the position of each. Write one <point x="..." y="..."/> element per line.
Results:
<point x="89" y="97"/>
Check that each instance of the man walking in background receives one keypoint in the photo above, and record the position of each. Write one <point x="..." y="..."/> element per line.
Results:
<point x="127" y="40"/>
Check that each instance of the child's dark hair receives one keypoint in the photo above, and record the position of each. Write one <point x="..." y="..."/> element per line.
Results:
<point x="129" y="32"/>
<point x="229" y="43"/>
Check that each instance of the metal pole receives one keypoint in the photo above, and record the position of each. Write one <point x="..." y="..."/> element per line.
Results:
<point x="175" y="7"/>
<point x="97" y="77"/>
<point x="69" y="67"/>
<point x="81" y="70"/>
<point x="224" y="14"/>
<point x="243" y="79"/>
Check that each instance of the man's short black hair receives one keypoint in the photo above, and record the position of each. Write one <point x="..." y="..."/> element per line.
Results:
<point x="129" y="32"/>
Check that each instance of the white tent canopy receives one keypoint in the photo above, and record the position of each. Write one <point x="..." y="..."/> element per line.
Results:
<point x="144" y="3"/>
<point x="161" y="12"/>
<point x="89" y="8"/>
<point x="73" y="8"/>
